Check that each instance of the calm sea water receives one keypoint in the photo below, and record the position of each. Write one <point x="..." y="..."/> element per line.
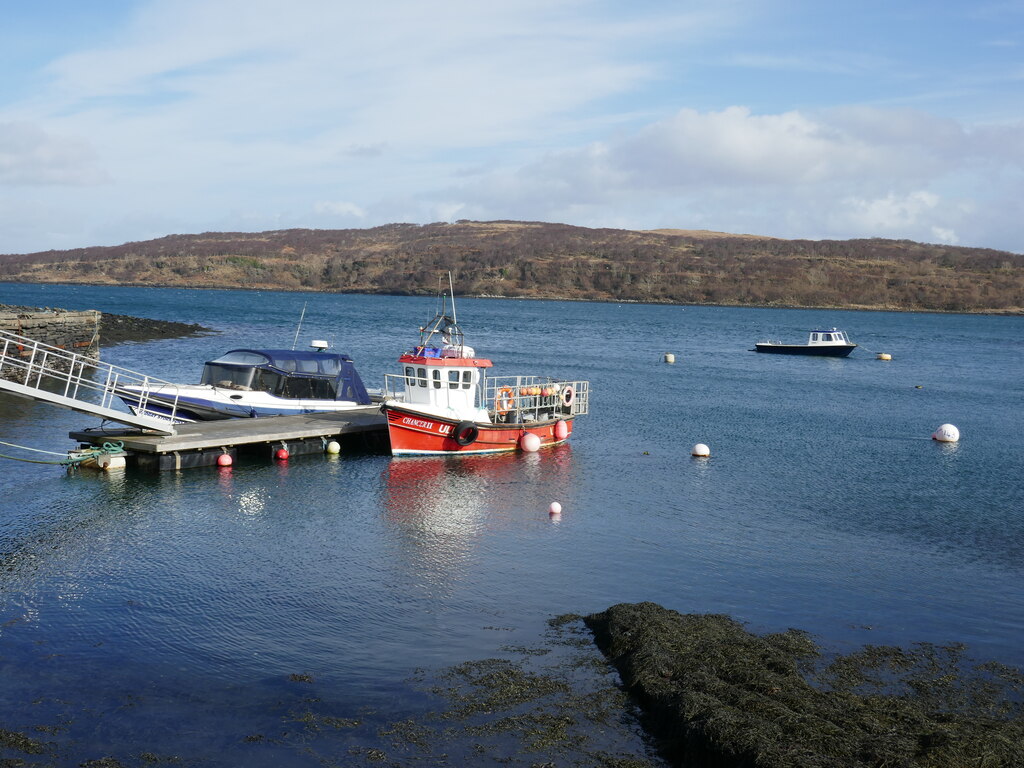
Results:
<point x="169" y="612"/>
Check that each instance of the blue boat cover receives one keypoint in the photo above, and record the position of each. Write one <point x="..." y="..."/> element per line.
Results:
<point x="303" y="363"/>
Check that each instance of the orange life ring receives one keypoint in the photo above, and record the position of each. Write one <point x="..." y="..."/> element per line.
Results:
<point x="568" y="395"/>
<point x="505" y="401"/>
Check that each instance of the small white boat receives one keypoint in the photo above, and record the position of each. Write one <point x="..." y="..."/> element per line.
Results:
<point x="246" y="383"/>
<point x="830" y="343"/>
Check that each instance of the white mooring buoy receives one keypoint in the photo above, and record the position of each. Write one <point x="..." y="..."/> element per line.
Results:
<point x="883" y="356"/>
<point x="555" y="508"/>
<point x="529" y="442"/>
<point x="947" y="433"/>
<point x="108" y="462"/>
<point x="701" y="451"/>
<point x="669" y="357"/>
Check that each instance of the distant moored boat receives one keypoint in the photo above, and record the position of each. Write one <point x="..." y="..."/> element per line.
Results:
<point x="830" y="343"/>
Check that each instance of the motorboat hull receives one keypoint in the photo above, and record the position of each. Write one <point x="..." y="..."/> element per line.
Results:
<point x="413" y="433"/>
<point x="819" y="350"/>
<point x="203" y="403"/>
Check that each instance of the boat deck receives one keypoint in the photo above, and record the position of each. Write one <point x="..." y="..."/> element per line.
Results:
<point x="201" y="443"/>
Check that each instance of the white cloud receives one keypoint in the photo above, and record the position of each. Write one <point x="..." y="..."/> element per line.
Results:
<point x="841" y="173"/>
<point x="341" y="209"/>
<point x="29" y="155"/>
<point x="892" y="213"/>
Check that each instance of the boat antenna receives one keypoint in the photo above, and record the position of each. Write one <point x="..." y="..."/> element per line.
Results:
<point x="451" y="290"/>
<point x="299" y="326"/>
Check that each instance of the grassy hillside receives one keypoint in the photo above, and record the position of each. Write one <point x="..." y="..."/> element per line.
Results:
<point x="529" y="259"/>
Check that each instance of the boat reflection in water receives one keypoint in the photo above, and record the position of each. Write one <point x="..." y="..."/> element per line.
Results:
<point x="442" y="507"/>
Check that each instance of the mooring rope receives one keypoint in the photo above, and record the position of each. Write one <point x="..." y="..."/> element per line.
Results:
<point x="93" y="453"/>
<point x="37" y="450"/>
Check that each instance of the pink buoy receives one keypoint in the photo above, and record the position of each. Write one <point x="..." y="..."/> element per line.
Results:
<point x="281" y="454"/>
<point x="561" y="430"/>
<point x="529" y="442"/>
<point x="224" y="460"/>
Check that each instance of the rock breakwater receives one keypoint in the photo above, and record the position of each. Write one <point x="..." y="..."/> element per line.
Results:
<point x="84" y="331"/>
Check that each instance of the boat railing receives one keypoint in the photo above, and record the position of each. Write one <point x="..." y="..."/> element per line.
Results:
<point x="50" y="374"/>
<point x="394" y="387"/>
<point x="534" y="398"/>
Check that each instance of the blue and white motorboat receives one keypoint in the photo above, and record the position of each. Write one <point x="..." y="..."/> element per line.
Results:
<point x="830" y="343"/>
<point x="247" y="383"/>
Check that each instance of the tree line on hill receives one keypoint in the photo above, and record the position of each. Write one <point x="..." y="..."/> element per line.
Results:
<point x="541" y="260"/>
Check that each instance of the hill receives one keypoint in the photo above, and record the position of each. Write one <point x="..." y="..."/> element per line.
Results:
<point x="540" y="260"/>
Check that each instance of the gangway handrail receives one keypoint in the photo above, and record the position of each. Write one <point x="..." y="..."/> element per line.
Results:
<point x="25" y="363"/>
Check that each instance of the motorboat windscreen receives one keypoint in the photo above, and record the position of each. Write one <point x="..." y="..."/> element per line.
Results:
<point x="288" y="374"/>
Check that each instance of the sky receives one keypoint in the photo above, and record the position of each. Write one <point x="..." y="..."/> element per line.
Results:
<point x="126" y="120"/>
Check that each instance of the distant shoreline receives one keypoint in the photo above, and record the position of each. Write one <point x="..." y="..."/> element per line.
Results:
<point x="653" y="303"/>
<point x="557" y="261"/>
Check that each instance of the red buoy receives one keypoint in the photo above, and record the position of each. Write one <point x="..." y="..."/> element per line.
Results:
<point x="281" y="454"/>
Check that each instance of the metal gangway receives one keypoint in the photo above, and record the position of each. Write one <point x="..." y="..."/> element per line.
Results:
<point x="38" y="371"/>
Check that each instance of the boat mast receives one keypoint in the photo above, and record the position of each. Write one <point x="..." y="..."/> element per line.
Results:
<point x="299" y="326"/>
<point x="451" y="291"/>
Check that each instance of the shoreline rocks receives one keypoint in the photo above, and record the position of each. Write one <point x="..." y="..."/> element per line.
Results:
<point x="85" y="330"/>
<point x="116" y="329"/>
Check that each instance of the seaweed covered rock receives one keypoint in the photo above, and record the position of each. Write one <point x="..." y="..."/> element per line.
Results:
<point x="115" y="329"/>
<point x="715" y="694"/>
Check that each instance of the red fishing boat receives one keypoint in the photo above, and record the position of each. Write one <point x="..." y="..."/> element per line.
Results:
<point x="443" y="403"/>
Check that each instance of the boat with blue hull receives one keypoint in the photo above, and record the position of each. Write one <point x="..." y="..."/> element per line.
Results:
<point x="830" y="343"/>
<point x="247" y="383"/>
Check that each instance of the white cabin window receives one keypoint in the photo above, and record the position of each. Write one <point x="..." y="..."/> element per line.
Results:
<point x="422" y="378"/>
<point x="826" y="337"/>
<point x="453" y="379"/>
<point x="410" y="376"/>
<point x="814" y="337"/>
<point x="437" y="379"/>
<point x="467" y="379"/>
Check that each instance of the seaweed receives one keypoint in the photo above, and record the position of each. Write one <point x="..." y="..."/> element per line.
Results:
<point x="20" y="742"/>
<point x="715" y="694"/>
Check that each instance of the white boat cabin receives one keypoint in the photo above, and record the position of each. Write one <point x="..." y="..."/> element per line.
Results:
<point x="831" y="337"/>
<point x="442" y="376"/>
<point x="443" y="381"/>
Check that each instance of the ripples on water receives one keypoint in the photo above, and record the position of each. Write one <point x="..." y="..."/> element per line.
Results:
<point x="171" y="610"/>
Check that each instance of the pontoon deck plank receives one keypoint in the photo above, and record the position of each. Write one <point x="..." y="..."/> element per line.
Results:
<point x="228" y="435"/>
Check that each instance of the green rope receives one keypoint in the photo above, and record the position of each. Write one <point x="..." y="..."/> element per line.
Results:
<point x="33" y="461"/>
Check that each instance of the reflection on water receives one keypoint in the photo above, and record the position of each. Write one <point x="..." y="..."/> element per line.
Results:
<point x="439" y="506"/>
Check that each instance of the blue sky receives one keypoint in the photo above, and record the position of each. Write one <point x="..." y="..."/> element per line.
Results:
<point x="126" y="120"/>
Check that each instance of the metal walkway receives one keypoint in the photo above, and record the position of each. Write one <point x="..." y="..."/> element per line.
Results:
<point x="53" y="375"/>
